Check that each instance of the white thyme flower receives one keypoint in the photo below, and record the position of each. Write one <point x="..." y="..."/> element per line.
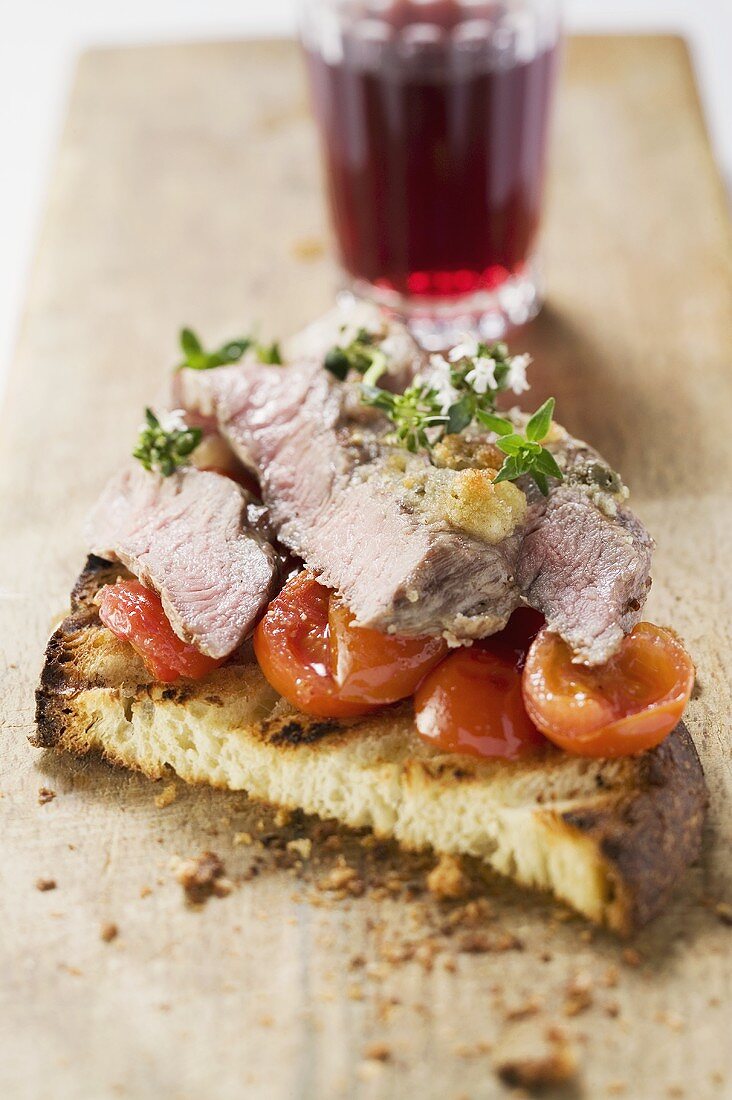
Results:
<point x="516" y="377"/>
<point x="467" y="349"/>
<point x="440" y="379"/>
<point x="173" y="420"/>
<point x="482" y="375"/>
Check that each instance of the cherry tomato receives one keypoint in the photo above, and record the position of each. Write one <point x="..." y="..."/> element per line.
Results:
<point x="372" y="667"/>
<point x="292" y="645"/>
<point x="472" y="703"/>
<point x="310" y="651"/>
<point x="135" y="614"/>
<point x="623" y="707"/>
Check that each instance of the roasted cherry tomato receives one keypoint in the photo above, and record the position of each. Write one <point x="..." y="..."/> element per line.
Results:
<point x="472" y="703"/>
<point x="292" y="645"/>
<point x="372" y="667"/>
<point x="135" y="613"/>
<point x="623" y="707"/>
<point x="311" y="653"/>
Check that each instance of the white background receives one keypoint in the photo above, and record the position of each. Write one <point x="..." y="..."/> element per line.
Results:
<point x="40" y="39"/>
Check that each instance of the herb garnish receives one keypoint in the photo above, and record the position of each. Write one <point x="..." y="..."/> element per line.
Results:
<point x="360" y="355"/>
<point x="165" y="444"/>
<point x="196" y="358"/>
<point x="413" y="413"/>
<point x="461" y="391"/>
<point x="525" y="454"/>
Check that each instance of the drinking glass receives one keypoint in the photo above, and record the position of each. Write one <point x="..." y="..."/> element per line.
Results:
<point x="433" y="117"/>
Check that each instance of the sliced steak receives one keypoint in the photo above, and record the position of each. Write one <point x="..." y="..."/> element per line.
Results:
<point x="189" y="536"/>
<point x="589" y="573"/>
<point x="355" y="510"/>
<point x="327" y="481"/>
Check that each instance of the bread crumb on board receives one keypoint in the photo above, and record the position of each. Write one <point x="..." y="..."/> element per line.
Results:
<point x="45" y="794"/>
<point x="723" y="911"/>
<point x="302" y="846"/>
<point x="167" y="796"/>
<point x="578" y="995"/>
<point x="447" y="880"/>
<point x="201" y="877"/>
<point x="378" y="1052"/>
<point x="44" y="884"/>
<point x="532" y="1058"/>
<point x="108" y="932"/>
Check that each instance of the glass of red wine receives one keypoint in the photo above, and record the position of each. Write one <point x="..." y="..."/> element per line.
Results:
<point x="433" y="117"/>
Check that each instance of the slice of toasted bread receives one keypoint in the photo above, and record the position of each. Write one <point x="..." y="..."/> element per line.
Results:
<point x="609" y="837"/>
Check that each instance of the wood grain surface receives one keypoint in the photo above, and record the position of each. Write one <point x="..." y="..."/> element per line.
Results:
<point x="186" y="191"/>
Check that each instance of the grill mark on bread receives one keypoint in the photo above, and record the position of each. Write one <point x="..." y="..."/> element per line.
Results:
<point x="301" y="731"/>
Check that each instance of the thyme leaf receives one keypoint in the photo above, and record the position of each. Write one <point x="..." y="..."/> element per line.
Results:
<point x="195" y="357"/>
<point x="163" y="446"/>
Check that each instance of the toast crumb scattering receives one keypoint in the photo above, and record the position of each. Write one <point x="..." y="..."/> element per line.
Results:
<point x="302" y="846"/>
<point x="167" y="796"/>
<point x="377" y="1052"/>
<point x="631" y="957"/>
<point x="45" y="794"/>
<point x="474" y="914"/>
<point x="108" y="932"/>
<point x="201" y="877"/>
<point x="529" y="1007"/>
<point x="578" y="995"/>
<point x="44" y="884"/>
<point x="481" y="943"/>
<point x="447" y="880"/>
<point x="723" y="911"/>
<point x="532" y="1059"/>
<point x="341" y="880"/>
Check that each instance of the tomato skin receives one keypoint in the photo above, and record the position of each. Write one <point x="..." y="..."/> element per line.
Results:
<point x="312" y="654"/>
<point x="378" y="668"/>
<point x="292" y="645"/>
<point x="472" y="703"/>
<point x="135" y="614"/>
<point x="624" y="707"/>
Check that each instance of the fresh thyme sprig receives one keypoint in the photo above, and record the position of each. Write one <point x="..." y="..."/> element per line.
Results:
<point x="414" y="413"/>
<point x="361" y="355"/>
<point x="164" y="446"/>
<point x="196" y="358"/>
<point x="474" y="376"/>
<point x="524" y="452"/>
<point x="462" y="391"/>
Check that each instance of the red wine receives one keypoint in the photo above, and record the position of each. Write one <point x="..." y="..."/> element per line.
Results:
<point x="434" y="136"/>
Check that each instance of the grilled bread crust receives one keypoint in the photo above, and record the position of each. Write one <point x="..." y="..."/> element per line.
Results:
<point x="608" y="837"/>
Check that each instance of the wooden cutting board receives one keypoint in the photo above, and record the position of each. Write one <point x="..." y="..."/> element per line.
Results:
<point x="186" y="191"/>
